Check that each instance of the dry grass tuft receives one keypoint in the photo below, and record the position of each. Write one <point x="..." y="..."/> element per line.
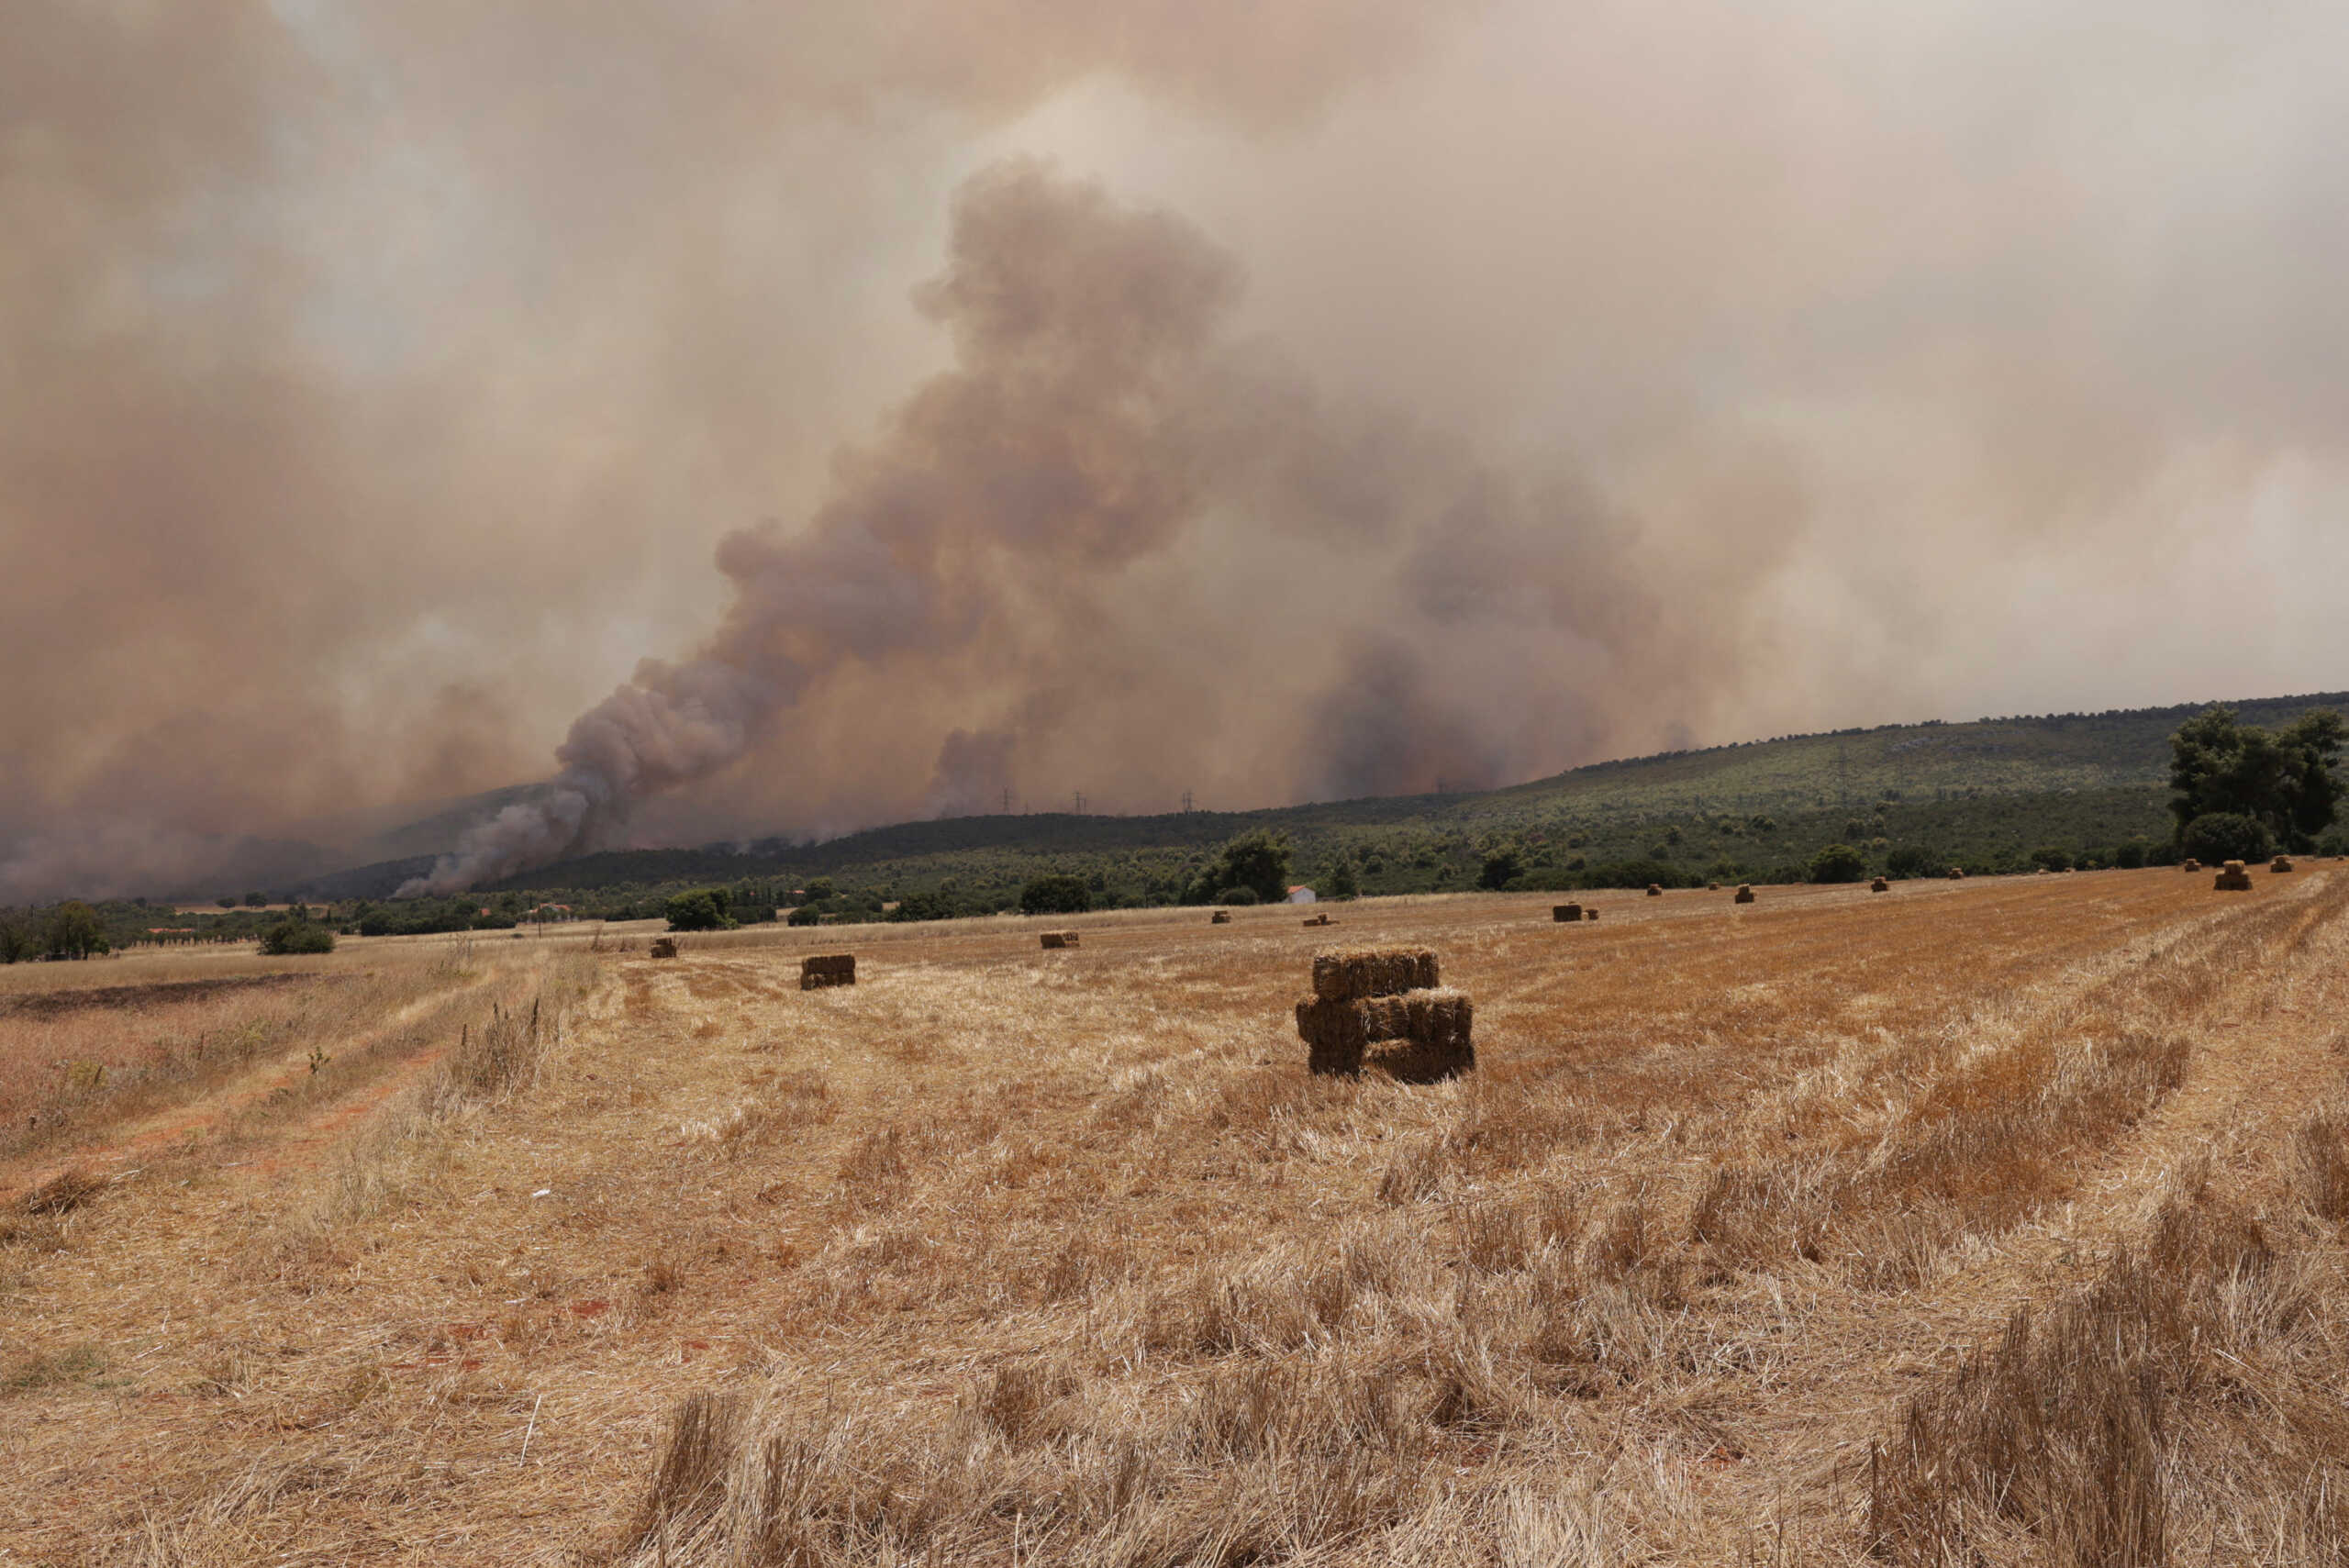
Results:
<point x="2177" y="1406"/>
<point x="63" y="1193"/>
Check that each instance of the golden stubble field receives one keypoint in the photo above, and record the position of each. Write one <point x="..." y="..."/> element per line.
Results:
<point x="1995" y="1222"/>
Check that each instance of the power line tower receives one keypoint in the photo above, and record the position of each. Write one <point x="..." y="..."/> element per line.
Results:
<point x="1080" y="802"/>
<point x="1186" y="801"/>
<point x="1006" y="803"/>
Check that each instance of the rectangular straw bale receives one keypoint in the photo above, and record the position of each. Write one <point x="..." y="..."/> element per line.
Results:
<point x="1566" y="912"/>
<point x="1060" y="938"/>
<point x="1744" y="896"/>
<point x="1385" y="1018"/>
<point x="830" y="969"/>
<point x="1356" y="972"/>
<point x="1437" y="1041"/>
<point x="1334" y="1034"/>
<point x="664" y="947"/>
<point x="1220" y="918"/>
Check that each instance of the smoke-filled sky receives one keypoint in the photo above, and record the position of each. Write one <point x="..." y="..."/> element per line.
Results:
<point x="1271" y="401"/>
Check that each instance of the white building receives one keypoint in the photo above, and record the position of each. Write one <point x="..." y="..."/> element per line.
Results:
<point x="1300" y="896"/>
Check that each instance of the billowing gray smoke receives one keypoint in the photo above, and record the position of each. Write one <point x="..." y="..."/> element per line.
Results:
<point x="376" y="380"/>
<point x="1097" y="422"/>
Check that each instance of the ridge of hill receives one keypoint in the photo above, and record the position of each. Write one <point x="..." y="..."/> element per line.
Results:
<point x="1991" y="790"/>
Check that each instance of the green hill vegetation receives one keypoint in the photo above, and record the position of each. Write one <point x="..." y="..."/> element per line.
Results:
<point x="1994" y="795"/>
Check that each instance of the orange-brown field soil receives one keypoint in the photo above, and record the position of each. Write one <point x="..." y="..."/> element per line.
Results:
<point x="1993" y="1221"/>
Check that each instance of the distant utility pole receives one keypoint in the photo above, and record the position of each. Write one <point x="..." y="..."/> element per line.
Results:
<point x="1006" y="803"/>
<point x="1186" y="800"/>
<point x="1080" y="803"/>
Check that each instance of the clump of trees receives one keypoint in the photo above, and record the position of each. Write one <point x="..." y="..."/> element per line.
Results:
<point x="1838" y="862"/>
<point x="702" y="909"/>
<point x="1257" y="862"/>
<point x="71" y="929"/>
<point x="1056" y="894"/>
<point x="296" y="934"/>
<point x="2238" y="791"/>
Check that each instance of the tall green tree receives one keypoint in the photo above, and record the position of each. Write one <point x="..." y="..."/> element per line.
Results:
<point x="2283" y="780"/>
<point x="1258" y="861"/>
<point x="76" y="931"/>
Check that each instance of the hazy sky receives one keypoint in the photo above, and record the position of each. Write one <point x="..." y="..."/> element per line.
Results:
<point x="1269" y="401"/>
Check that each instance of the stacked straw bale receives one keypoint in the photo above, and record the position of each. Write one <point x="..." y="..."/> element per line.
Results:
<point x="664" y="947"/>
<point x="1879" y="885"/>
<point x="1566" y="913"/>
<point x="1318" y="920"/>
<point x="1220" y="918"/>
<point x="2232" y="878"/>
<point x="1367" y="996"/>
<point x="1957" y="873"/>
<point x="1744" y="893"/>
<point x="2281" y="863"/>
<point x="2190" y="865"/>
<point x="1352" y="975"/>
<point x="1654" y="891"/>
<point x="1060" y="938"/>
<point x="832" y="969"/>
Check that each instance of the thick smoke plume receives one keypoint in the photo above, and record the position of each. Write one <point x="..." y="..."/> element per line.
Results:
<point x="1096" y="419"/>
<point x="1522" y="385"/>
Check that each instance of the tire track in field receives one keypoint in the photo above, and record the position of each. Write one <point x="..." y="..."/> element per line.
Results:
<point x="2263" y="1047"/>
<point x="216" y="1108"/>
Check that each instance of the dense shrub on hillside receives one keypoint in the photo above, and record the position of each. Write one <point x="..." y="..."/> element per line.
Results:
<point x="1055" y="894"/>
<point x="921" y="907"/>
<point x="1501" y="867"/>
<point x="2219" y="836"/>
<point x="296" y="937"/>
<point x="1909" y="861"/>
<point x="1838" y="862"/>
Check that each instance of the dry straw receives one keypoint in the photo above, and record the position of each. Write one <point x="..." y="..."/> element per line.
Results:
<point x="1745" y="894"/>
<point x="1566" y="913"/>
<point x="664" y="947"/>
<point x="1879" y="885"/>
<point x="1353" y="974"/>
<point x="1060" y="938"/>
<point x="2232" y="878"/>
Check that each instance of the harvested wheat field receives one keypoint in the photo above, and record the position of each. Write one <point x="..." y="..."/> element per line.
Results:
<point x="1997" y="1223"/>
